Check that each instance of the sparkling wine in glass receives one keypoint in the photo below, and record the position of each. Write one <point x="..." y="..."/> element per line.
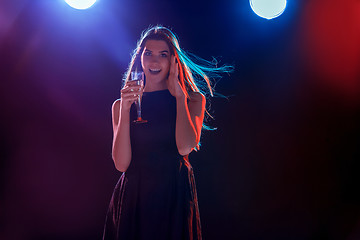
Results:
<point x="138" y="79"/>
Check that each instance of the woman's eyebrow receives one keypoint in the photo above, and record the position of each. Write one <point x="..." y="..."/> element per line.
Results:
<point x="163" y="51"/>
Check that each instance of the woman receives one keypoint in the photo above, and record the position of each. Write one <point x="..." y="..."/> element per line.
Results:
<point x="155" y="197"/>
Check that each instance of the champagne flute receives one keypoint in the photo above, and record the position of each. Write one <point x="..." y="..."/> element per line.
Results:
<point x="138" y="79"/>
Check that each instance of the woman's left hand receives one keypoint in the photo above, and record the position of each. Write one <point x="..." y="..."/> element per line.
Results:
<point x="173" y="80"/>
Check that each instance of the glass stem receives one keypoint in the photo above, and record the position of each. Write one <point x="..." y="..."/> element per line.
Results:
<point x="138" y="107"/>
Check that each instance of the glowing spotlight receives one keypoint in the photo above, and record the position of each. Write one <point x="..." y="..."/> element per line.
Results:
<point x="268" y="9"/>
<point x="80" y="4"/>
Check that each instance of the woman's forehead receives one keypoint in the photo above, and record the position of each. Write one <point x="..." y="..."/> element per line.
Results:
<point x="156" y="45"/>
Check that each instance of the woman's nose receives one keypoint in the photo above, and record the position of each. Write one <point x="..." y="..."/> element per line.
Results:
<point x="155" y="58"/>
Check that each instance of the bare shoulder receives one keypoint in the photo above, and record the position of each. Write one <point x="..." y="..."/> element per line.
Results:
<point x="197" y="97"/>
<point x="115" y="109"/>
<point x="116" y="103"/>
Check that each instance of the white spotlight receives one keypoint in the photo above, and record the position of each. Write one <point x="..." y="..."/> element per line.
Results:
<point x="80" y="4"/>
<point x="268" y="9"/>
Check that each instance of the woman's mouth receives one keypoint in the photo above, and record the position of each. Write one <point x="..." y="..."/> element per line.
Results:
<point x="154" y="70"/>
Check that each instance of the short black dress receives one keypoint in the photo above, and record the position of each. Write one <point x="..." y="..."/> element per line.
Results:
<point x="156" y="197"/>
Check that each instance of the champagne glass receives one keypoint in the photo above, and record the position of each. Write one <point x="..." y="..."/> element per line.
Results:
<point x="138" y="79"/>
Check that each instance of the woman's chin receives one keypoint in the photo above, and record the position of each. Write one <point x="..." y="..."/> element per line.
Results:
<point x="156" y="79"/>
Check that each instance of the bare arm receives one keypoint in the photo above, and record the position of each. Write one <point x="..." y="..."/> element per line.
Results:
<point x="189" y="113"/>
<point x="121" y="147"/>
<point x="189" y="120"/>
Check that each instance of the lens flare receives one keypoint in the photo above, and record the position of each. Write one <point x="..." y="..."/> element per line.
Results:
<point x="80" y="4"/>
<point x="268" y="9"/>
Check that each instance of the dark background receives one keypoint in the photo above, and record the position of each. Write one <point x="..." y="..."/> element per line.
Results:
<point x="283" y="164"/>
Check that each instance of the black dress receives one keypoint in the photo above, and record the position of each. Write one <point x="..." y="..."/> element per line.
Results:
<point x="156" y="197"/>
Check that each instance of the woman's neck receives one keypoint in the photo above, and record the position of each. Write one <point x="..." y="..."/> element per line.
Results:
<point x="155" y="87"/>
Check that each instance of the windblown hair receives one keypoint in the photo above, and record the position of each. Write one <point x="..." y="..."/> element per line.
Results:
<point x="195" y="74"/>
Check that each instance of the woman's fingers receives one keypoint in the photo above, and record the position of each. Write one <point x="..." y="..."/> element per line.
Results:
<point x="133" y="87"/>
<point x="174" y="71"/>
<point x="172" y="65"/>
<point x="131" y="92"/>
<point x="176" y="67"/>
<point x="129" y="98"/>
<point x="134" y="90"/>
<point x="130" y="95"/>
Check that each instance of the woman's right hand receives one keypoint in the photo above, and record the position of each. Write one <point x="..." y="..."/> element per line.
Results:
<point x="129" y="94"/>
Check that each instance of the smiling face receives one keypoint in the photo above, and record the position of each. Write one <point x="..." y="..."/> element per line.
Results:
<point x="155" y="61"/>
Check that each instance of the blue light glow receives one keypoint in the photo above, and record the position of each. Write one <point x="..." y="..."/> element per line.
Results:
<point x="80" y="4"/>
<point x="268" y="9"/>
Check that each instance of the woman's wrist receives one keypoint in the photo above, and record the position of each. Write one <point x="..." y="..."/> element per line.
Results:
<point x="181" y="97"/>
<point x="124" y="109"/>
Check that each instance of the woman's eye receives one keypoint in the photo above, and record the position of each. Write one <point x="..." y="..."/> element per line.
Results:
<point x="163" y="55"/>
<point x="147" y="53"/>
